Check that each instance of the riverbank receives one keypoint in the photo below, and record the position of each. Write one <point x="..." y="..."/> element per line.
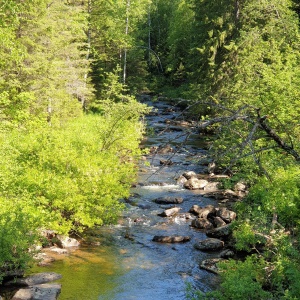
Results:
<point x="118" y="262"/>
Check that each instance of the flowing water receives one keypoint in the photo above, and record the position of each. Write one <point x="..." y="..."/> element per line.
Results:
<point x="126" y="264"/>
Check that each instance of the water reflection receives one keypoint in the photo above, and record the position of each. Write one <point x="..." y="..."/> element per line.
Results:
<point x="87" y="272"/>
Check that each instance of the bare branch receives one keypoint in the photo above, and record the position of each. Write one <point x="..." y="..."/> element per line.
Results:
<point x="274" y="136"/>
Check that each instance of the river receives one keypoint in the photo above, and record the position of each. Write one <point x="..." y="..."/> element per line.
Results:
<point x="125" y="264"/>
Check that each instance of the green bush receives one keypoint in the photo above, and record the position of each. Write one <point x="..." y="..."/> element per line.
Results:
<point x="67" y="177"/>
<point x="281" y="195"/>
<point x="18" y="233"/>
<point x="76" y="173"/>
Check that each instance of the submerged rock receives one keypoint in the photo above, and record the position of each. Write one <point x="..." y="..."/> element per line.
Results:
<point x="168" y="200"/>
<point x="35" y="279"/>
<point x="171" y="239"/>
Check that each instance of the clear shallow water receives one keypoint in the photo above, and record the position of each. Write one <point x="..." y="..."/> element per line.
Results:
<point x="127" y="264"/>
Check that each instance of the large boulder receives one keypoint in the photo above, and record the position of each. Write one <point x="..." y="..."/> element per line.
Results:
<point x="219" y="232"/>
<point x="189" y="174"/>
<point x="209" y="244"/>
<point x="219" y="222"/>
<point x="196" y="209"/>
<point x="170" y="212"/>
<point x="202" y="223"/>
<point x="195" y="184"/>
<point x="203" y="212"/>
<point x="39" y="292"/>
<point x="225" y="214"/>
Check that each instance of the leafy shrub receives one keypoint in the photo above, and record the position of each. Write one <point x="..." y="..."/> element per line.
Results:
<point x="281" y="195"/>
<point x="66" y="177"/>
<point x="18" y="232"/>
<point x="76" y="173"/>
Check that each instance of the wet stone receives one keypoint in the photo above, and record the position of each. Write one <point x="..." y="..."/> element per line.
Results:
<point x="226" y="214"/>
<point x="195" y="184"/>
<point x="168" y="200"/>
<point x="35" y="279"/>
<point x="211" y="264"/>
<point x="209" y="244"/>
<point x="219" y="222"/>
<point x="202" y="223"/>
<point x="171" y="239"/>
<point x="220" y="231"/>
<point x="39" y="292"/>
<point x="170" y="212"/>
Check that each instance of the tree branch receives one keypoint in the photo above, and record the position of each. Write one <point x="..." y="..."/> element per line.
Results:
<point x="274" y="136"/>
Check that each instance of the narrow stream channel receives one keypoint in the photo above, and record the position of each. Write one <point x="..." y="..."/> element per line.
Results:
<point x="126" y="264"/>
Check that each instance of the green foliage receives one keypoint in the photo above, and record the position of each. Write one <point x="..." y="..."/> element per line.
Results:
<point x="66" y="177"/>
<point x="18" y="233"/>
<point x="75" y="173"/>
<point x="279" y="199"/>
<point x="115" y="40"/>
<point x="240" y="280"/>
<point x="280" y="195"/>
<point x="245" y="238"/>
<point x="243" y="280"/>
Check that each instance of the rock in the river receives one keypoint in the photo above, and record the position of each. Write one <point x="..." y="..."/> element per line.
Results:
<point x="203" y="212"/>
<point x="39" y="292"/>
<point x="170" y="239"/>
<point x="202" y="223"/>
<point x="189" y="174"/>
<point x="227" y="253"/>
<point x="68" y="242"/>
<point x="168" y="200"/>
<point x="195" y="209"/>
<point x="164" y="149"/>
<point x="170" y="212"/>
<point x="209" y="245"/>
<point x="226" y="214"/>
<point x="58" y="250"/>
<point x="222" y="231"/>
<point x="224" y="194"/>
<point x="181" y="180"/>
<point x="219" y="222"/>
<point x="211" y="264"/>
<point x="195" y="184"/>
<point x="165" y="162"/>
<point x="35" y="279"/>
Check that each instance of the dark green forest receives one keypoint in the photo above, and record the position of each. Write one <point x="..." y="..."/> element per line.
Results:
<point x="71" y="125"/>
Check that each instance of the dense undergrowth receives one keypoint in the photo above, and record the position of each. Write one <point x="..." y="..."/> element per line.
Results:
<point x="65" y="177"/>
